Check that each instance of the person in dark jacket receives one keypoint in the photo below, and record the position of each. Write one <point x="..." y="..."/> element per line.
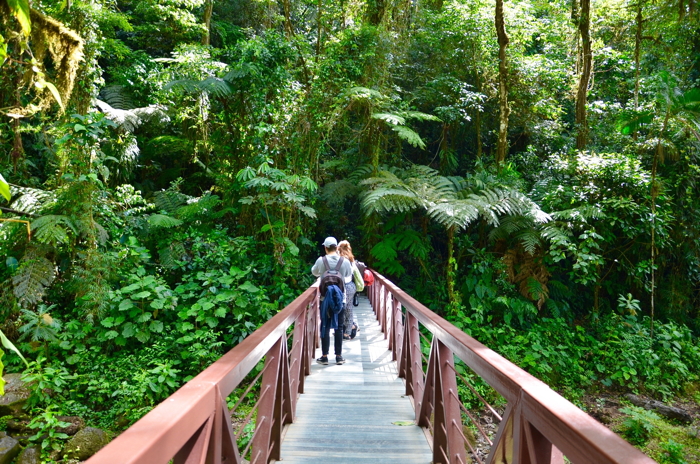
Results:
<point x="336" y="321"/>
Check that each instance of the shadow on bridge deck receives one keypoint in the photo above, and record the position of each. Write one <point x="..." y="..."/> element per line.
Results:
<point x="347" y="412"/>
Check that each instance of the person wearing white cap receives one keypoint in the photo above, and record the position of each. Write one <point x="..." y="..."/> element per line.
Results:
<point x="332" y="257"/>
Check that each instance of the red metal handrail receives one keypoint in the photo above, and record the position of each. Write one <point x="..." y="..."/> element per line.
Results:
<point x="539" y="426"/>
<point x="193" y="425"/>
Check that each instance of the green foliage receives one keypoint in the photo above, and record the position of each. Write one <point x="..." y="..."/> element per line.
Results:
<point x="638" y="427"/>
<point x="674" y="453"/>
<point x="47" y="436"/>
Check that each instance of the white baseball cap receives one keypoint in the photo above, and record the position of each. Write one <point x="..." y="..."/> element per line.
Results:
<point x="330" y="242"/>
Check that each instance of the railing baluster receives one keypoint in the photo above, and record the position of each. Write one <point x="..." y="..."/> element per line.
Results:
<point x="266" y="410"/>
<point x="195" y="450"/>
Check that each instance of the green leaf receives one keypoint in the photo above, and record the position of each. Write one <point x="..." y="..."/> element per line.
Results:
<point x="156" y="326"/>
<point x="20" y="9"/>
<point x="128" y="330"/>
<point x="8" y="344"/>
<point x="54" y="91"/>
<point x="4" y="186"/>
<point x="140" y="295"/>
<point x="247" y="286"/>
<point x="3" y="50"/>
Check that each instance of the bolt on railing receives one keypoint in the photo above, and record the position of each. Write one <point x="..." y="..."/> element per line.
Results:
<point x="537" y="425"/>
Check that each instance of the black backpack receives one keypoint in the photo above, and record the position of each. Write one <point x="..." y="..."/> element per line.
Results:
<point x="331" y="277"/>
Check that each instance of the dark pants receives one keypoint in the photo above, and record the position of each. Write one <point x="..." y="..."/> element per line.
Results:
<point x="326" y="337"/>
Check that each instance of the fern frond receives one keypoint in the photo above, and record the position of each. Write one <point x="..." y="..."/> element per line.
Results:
<point x="169" y="200"/>
<point x="52" y="229"/>
<point x="419" y="116"/>
<point x="530" y="240"/>
<point x="161" y="220"/>
<point x="173" y="253"/>
<point x="204" y="205"/>
<point x="335" y="193"/>
<point x="409" y="135"/>
<point x="31" y="200"/>
<point x="390" y="118"/>
<point x="117" y="96"/>
<point x="35" y="275"/>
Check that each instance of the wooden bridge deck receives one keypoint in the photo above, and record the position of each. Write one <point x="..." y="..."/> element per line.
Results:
<point x="350" y="413"/>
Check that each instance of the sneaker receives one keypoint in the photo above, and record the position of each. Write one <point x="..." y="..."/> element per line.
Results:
<point x="323" y="360"/>
<point x="339" y="360"/>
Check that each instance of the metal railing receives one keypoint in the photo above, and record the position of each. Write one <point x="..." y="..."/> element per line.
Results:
<point x="537" y="426"/>
<point x="193" y="425"/>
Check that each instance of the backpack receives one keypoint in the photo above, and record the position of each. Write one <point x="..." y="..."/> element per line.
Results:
<point x="369" y="277"/>
<point x="331" y="277"/>
<point x="361" y="266"/>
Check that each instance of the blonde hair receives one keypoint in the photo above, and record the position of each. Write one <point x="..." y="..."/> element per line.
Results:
<point x="345" y="250"/>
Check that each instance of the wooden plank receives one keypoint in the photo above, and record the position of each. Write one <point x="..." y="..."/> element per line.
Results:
<point x="348" y="413"/>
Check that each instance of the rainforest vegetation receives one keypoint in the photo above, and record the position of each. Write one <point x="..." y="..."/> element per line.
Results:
<point x="528" y="169"/>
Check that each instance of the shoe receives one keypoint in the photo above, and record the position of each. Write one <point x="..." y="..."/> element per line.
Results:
<point x="323" y="360"/>
<point x="339" y="360"/>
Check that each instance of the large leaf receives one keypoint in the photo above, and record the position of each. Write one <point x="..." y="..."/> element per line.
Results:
<point x="8" y="344"/>
<point x="4" y="188"/>
<point x="20" y="9"/>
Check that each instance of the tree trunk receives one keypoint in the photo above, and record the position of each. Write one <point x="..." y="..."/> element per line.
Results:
<point x="287" y="20"/>
<point x="477" y="116"/>
<point x="319" y="29"/>
<point x="375" y="11"/>
<point x="587" y="55"/>
<point x="449" y="275"/>
<point x="502" y="148"/>
<point x="208" y="10"/>
<point x="637" y="52"/>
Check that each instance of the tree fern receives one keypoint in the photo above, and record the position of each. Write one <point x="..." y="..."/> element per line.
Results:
<point x="35" y="275"/>
<point x="161" y="220"/>
<point x="335" y="193"/>
<point x="31" y="200"/>
<point x="172" y="254"/>
<point x="409" y="135"/>
<point x="53" y="229"/>
<point x="117" y="96"/>
<point x="169" y="200"/>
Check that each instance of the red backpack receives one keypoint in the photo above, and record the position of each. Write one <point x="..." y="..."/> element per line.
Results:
<point x="369" y="277"/>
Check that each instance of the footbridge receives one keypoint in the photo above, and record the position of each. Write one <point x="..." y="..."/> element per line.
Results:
<point x="397" y="399"/>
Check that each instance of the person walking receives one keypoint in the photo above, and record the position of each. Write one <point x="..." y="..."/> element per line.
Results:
<point x="353" y="284"/>
<point x="325" y="263"/>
